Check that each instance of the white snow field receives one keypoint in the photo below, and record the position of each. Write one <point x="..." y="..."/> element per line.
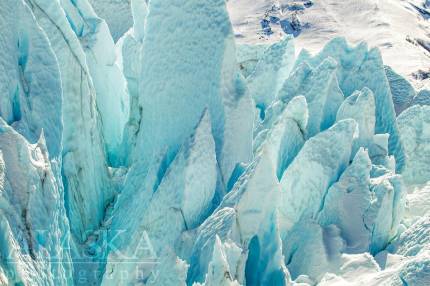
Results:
<point x="190" y="142"/>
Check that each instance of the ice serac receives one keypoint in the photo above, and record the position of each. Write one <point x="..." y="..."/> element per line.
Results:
<point x="246" y="217"/>
<point x="187" y="81"/>
<point x="84" y="172"/>
<point x="325" y="156"/>
<point x="139" y="11"/>
<point x="109" y="83"/>
<point x="286" y="135"/>
<point x="365" y="209"/>
<point x="30" y="85"/>
<point x="320" y="87"/>
<point x="347" y="201"/>
<point x="360" y="106"/>
<point x="179" y="202"/>
<point x="359" y="67"/>
<point x="34" y="240"/>
<point x="270" y="72"/>
<point x="414" y="126"/>
<point x="219" y="272"/>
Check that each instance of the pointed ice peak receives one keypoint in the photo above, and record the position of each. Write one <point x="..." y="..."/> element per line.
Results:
<point x="42" y="139"/>
<point x="271" y="71"/>
<point x="185" y="81"/>
<point x="297" y="109"/>
<point x="219" y="273"/>
<point x="349" y="126"/>
<point x="360" y="106"/>
<point x="347" y="201"/>
<point x="320" y="87"/>
<point x="303" y="57"/>
<point x="318" y="164"/>
<point x="203" y="127"/>
<point x="284" y="139"/>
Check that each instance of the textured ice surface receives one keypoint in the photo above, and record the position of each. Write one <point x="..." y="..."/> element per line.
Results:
<point x="172" y="43"/>
<point x="30" y="85"/>
<point x="117" y="14"/>
<point x="167" y="155"/>
<point x="414" y="127"/>
<point x="34" y="227"/>
<point x="84" y="167"/>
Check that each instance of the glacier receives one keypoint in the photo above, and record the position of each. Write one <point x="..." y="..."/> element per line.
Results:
<point x="140" y="144"/>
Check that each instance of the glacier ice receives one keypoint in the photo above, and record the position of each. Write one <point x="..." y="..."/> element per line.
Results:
<point x="402" y="91"/>
<point x="359" y="67"/>
<point x="422" y="98"/>
<point x="171" y="44"/>
<point x="145" y="147"/>
<point x="413" y="126"/>
<point x="34" y="228"/>
<point x="270" y="71"/>
<point x="30" y="77"/>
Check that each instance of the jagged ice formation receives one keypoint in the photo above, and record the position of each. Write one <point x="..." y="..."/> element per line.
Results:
<point x="169" y="155"/>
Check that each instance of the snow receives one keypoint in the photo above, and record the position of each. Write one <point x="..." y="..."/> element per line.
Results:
<point x="391" y="26"/>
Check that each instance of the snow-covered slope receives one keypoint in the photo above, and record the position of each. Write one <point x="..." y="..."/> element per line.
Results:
<point x="175" y="153"/>
<point x="399" y="28"/>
